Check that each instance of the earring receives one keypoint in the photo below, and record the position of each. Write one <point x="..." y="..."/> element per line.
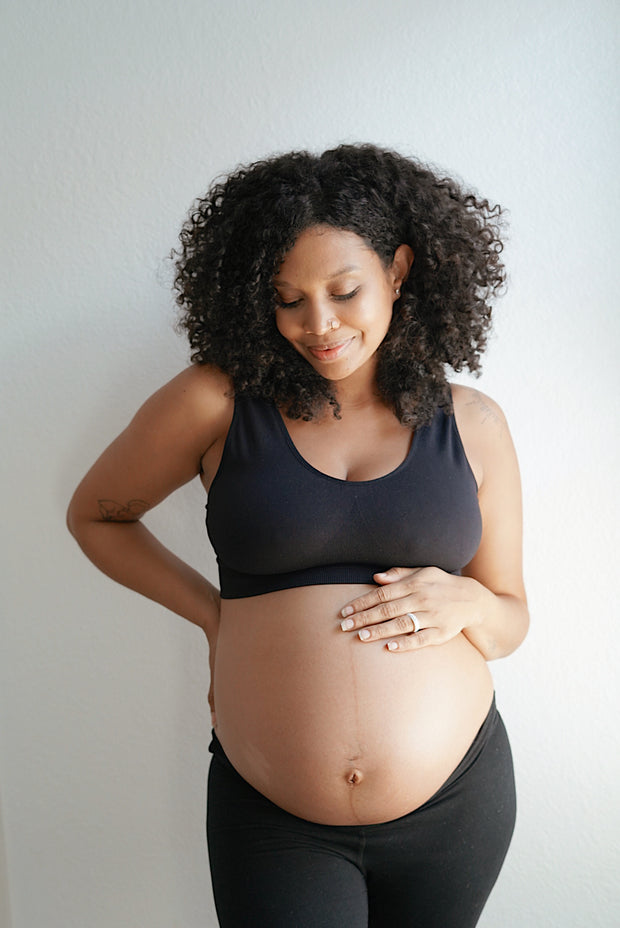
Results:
<point x="397" y="291"/>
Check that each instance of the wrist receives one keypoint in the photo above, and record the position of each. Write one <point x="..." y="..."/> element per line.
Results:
<point x="480" y="599"/>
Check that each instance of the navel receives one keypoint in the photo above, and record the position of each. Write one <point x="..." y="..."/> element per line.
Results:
<point x="354" y="776"/>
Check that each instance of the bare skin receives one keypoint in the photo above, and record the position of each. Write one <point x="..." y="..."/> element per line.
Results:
<point x="333" y="725"/>
<point x="334" y="730"/>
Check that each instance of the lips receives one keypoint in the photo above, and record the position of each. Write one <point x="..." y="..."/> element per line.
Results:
<point x="329" y="352"/>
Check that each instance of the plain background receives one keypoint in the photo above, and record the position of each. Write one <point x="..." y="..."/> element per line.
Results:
<point x="115" y="116"/>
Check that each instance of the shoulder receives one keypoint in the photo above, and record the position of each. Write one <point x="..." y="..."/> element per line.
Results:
<point x="476" y="411"/>
<point x="163" y="445"/>
<point x="199" y="390"/>
<point x="196" y="404"/>
<point x="483" y="430"/>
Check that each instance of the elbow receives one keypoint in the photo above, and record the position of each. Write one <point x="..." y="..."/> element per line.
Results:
<point x="74" y="522"/>
<point x="525" y="626"/>
<point x="70" y="519"/>
<point x="519" y="627"/>
<point x="503" y="629"/>
<point x="523" y="619"/>
<point x="526" y="621"/>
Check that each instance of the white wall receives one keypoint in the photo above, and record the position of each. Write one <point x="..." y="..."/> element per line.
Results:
<point x="117" y="115"/>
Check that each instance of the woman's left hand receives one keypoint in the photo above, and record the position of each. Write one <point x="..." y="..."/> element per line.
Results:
<point x="443" y="605"/>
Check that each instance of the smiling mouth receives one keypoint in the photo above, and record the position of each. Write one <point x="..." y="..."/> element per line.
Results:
<point x="329" y="352"/>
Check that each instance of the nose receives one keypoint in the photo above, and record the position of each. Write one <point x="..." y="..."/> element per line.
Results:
<point x="319" y="319"/>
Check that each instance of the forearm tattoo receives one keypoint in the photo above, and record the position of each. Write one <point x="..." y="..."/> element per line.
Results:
<point x="111" y="511"/>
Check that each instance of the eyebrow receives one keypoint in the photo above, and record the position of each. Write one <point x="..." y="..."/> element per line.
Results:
<point x="340" y="273"/>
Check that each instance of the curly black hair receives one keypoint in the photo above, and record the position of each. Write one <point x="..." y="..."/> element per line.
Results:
<point x="236" y="236"/>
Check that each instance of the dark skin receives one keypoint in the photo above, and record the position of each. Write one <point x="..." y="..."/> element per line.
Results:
<point x="179" y="434"/>
<point x="488" y="602"/>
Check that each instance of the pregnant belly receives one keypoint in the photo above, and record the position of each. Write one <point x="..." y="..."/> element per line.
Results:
<point x="332" y="729"/>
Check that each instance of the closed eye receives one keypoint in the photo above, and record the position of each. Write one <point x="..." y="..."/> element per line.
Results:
<point x="346" y="296"/>
<point x="280" y="302"/>
<point x="338" y="297"/>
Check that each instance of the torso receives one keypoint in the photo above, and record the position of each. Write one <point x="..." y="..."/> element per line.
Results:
<point x="333" y="730"/>
<point x="328" y="728"/>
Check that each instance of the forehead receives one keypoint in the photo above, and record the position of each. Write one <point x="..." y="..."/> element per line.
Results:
<point x="324" y="252"/>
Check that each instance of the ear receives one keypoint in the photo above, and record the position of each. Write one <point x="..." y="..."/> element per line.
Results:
<point x="401" y="264"/>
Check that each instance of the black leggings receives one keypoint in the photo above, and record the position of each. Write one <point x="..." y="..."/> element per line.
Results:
<point x="432" y="868"/>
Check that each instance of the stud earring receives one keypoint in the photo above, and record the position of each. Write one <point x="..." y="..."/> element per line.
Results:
<point x="397" y="291"/>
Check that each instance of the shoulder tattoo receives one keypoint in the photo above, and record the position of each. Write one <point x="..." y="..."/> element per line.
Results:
<point x="488" y="414"/>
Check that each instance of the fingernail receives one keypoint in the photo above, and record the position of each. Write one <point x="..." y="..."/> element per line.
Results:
<point x="392" y="645"/>
<point x="364" y="634"/>
<point x="346" y="611"/>
<point x="346" y="624"/>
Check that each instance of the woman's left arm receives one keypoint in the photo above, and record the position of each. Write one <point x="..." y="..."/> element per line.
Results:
<point x="487" y="603"/>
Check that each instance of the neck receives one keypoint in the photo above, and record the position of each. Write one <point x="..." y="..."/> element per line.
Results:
<point x="356" y="393"/>
<point x="359" y="402"/>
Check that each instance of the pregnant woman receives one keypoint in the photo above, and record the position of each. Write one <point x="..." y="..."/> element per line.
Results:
<point x="366" y="517"/>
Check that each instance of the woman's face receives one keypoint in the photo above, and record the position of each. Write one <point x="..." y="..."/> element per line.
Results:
<point x="335" y="298"/>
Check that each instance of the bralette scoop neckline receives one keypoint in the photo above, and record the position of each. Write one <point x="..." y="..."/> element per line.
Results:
<point x="301" y="459"/>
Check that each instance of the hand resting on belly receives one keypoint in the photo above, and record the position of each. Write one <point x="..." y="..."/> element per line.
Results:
<point x="332" y="728"/>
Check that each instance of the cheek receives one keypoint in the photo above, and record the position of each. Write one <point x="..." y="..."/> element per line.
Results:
<point x="288" y="329"/>
<point x="282" y="326"/>
<point x="376" y="321"/>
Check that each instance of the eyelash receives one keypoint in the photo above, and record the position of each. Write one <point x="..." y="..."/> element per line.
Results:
<point x="340" y="298"/>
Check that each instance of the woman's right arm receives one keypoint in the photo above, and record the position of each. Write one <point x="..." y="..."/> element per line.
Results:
<point x="160" y="450"/>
